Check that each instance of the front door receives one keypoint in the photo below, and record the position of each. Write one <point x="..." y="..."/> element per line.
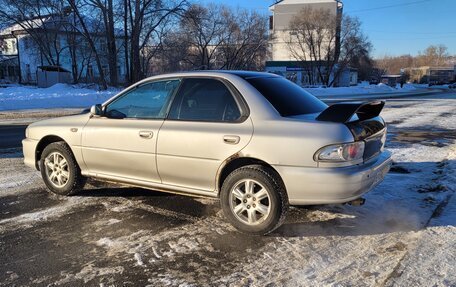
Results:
<point x="206" y="125"/>
<point x="122" y="142"/>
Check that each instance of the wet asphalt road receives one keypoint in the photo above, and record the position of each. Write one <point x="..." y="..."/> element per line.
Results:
<point x="11" y="135"/>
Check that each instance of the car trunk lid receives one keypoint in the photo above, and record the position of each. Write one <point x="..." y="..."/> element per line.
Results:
<point x="364" y="122"/>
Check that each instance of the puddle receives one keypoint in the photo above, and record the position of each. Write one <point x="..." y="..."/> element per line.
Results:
<point x="434" y="137"/>
<point x="398" y="169"/>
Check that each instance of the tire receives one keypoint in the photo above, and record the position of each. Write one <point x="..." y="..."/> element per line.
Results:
<point x="60" y="178"/>
<point x="243" y="199"/>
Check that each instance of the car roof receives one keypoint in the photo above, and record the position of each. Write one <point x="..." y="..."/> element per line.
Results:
<point x="238" y="73"/>
<point x="247" y="74"/>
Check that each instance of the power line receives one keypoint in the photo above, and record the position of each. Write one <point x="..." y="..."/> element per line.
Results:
<point x="388" y="6"/>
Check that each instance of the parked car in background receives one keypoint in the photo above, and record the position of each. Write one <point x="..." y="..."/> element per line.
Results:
<point x="256" y="141"/>
<point x="452" y="86"/>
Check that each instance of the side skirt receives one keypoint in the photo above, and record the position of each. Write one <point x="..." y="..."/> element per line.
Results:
<point x="154" y="185"/>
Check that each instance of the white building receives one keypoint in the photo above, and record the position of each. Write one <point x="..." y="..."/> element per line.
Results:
<point x="282" y="14"/>
<point x="282" y="61"/>
<point x="54" y="42"/>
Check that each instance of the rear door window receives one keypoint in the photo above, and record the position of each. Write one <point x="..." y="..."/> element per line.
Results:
<point x="286" y="97"/>
<point x="204" y="100"/>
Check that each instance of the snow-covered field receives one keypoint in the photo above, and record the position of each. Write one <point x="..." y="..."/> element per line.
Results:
<point x="405" y="234"/>
<point x="57" y="96"/>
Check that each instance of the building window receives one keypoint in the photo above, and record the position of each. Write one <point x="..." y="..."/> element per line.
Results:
<point x="271" y="22"/>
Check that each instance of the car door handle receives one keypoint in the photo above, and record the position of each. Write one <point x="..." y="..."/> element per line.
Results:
<point x="231" y="139"/>
<point x="146" y="134"/>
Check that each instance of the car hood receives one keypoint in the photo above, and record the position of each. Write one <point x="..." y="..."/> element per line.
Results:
<point x="57" y="126"/>
<point x="61" y="121"/>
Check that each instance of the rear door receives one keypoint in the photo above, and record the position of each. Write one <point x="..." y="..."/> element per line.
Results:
<point x="207" y="124"/>
<point x="122" y="143"/>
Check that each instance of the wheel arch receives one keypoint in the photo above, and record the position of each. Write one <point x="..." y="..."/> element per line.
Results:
<point x="237" y="162"/>
<point x="43" y="143"/>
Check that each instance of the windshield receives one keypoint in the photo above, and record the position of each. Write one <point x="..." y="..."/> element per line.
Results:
<point x="287" y="98"/>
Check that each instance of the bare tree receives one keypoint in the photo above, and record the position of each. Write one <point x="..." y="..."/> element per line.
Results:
<point x="89" y="33"/>
<point x="245" y="41"/>
<point x="325" y="43"/>
<point x="202" y="31"/>
<point x="434" y="55"/>
<point x="217" y="37"/>
<point x="393" y="65"/>
<point x="145" y="16"/>
<point x="106" y="10"/>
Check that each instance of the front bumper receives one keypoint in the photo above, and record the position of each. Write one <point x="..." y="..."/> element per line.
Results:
<point x="29" y="150"/>
<point x="311" y="185"/>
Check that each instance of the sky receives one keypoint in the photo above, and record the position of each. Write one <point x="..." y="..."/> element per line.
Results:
<point x="395" y="27"/>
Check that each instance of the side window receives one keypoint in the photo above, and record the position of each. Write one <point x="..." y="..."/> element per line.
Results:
<point x="204" y="100"/>
<point x="147" y="101"/>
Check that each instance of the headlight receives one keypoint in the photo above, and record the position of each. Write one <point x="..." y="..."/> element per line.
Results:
<point x="341" y="152"/>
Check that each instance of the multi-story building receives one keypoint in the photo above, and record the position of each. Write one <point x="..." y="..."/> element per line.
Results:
<point x="282" y="61"/>
<point x="54" y="43"/>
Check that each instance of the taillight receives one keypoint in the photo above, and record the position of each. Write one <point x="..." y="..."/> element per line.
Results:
<point x="341" y="152"/>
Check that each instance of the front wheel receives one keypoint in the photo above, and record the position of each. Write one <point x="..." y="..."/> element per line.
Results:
<point x="59" y="169"/>
<point x="254" y="199"/>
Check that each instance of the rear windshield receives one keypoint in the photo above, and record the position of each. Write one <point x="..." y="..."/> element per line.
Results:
<point x="287" y="98"/>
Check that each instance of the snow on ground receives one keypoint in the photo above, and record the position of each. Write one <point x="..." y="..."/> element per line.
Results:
<point x="57" y="96"/>
<point x="361" y="90"/>
<point x="404" y="235"/>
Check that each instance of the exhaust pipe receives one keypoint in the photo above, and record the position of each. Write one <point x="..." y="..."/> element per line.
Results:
<point x="357" y="202"/>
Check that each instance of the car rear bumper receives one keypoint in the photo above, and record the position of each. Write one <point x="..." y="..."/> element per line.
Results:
<point x="29" y="148"/>
<point x="310" y="185"/>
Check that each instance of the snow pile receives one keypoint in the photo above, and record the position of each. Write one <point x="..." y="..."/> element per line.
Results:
<point x="361" y="90"/>
<point x="57" y="96"/>
<point x="406" y="87"/>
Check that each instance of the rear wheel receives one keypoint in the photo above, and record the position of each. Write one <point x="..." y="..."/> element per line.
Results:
<point x="254" y="200"/>
<point x="59" y="169"/>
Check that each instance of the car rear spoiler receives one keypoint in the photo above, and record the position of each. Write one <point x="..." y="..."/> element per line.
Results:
<point x="343" y="112"/>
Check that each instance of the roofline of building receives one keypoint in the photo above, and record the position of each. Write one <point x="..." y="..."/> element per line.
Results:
<point x="276" y="3"/>
<point x="15" y="33"/>
<point x="280" y="1"/>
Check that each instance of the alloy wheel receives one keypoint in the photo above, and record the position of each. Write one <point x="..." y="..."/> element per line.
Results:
<point x="57" y="170"/>
<point x="250" y="202"/>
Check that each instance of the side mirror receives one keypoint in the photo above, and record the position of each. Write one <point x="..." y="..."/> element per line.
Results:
<point x="96" y="110"/>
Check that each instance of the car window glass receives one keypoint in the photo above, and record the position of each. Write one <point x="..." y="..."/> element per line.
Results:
<point x="287" y="98"/>
<point x="147" y="101"/>
<point x="205" y="100"/>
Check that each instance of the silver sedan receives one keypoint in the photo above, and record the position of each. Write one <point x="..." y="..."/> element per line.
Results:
<point x="256" y="141"/>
